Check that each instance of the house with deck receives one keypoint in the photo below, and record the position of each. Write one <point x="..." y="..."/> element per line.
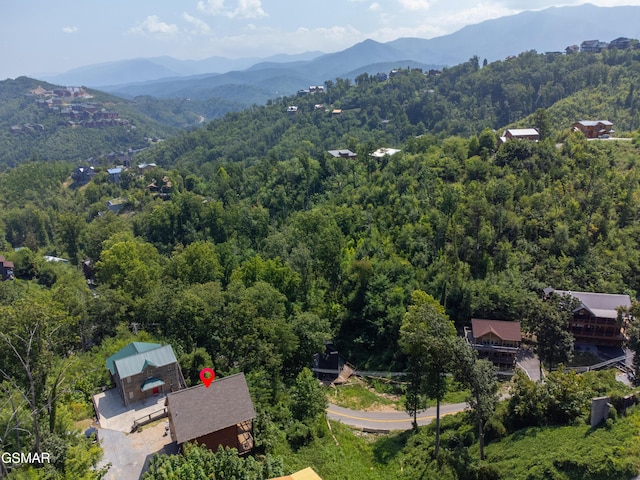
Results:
<point x="594" y="128"/>
<point x="599" y="318"/>
<point x="519" y="133"/>
<point x="495" y="340"/>
<point x="218" y="416"/>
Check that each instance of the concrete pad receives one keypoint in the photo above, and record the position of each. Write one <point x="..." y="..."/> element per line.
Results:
<point x="130" y="453"/>
<point x="113" y="415"/>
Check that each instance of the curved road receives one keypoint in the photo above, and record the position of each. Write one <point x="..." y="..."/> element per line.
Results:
<point x="385" y="421"/>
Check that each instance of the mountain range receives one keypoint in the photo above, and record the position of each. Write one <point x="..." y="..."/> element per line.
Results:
<point x="551" y="29"/>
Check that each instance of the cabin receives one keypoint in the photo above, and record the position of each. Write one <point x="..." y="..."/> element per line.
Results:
<point x="519" y="133"/>
<point x="220" y="415"/>
<point x="598" y="319"/>
<point x="6" y="269"/>
<point x="142" y="370"/>
<point x="593" y="128"/>
<point x="83" y="174"/>
<point x="495" y="340"/>
<point x="344" y="153"/>
<point x="383" y="152"/>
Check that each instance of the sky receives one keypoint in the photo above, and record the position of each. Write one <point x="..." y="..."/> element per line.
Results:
<point x="42" y="37"/>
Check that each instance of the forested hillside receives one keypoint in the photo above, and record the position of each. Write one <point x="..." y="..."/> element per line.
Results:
<point x="54" y="138"/>
<point x="249" y="245"/>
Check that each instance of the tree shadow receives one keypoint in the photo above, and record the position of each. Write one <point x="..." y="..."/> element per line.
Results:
<point x="386" y="448"/>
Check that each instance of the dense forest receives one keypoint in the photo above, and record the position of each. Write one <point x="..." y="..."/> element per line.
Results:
<point x="249" y="246"/>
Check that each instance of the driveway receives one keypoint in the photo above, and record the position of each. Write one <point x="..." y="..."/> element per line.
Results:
<point x="113" y="415"/>
<point x="387" y="421"/>
<point x="130" y="453"/>
<point x="529" y="363"/>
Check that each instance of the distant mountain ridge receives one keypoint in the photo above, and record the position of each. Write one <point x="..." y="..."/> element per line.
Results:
<point x="156" y="68"/>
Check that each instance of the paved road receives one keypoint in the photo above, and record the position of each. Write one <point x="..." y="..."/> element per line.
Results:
<point x="385" y="421"/>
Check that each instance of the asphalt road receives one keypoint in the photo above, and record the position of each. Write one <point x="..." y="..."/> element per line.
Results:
<point x="385" y="421"/>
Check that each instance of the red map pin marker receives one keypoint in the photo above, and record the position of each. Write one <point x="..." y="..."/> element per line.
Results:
<point x="207" y="375"/>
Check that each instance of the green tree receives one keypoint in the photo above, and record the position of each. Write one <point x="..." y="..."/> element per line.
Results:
<point x="481" y="378"/>
<point x="129" y="265"/>
<point x="428" y="336"/>
<point x="548" y="320"/>
<point x="308" y="400"/>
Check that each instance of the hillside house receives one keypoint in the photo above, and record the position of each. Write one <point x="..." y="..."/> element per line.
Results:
<point x="344" y="153"/>
<point x="594" y="128"/>
<point x="221" y="415"/>
<point x="495" y="340"/>
<point x="621" y="43"/>
<point x="519" y="133"/>
<point x="6" y="269"/>
<point x="82" y="174"/>
<point x="114" y="174"/>
<point x="597" y="319"/>
<point x="593" y="46"/>
<point x="141" y="370"/>
<point x="382" y="152"/>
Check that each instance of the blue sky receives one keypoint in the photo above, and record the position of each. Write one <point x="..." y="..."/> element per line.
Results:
<point x="45" y="36"/>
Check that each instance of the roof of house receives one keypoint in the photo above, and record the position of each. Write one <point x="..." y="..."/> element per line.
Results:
<point x="306" y="474"/>
<point x="594" y="123"/>
<point x="381" y="152"/>
<point x="603" y="305"/>
<point x="505" y="330"/>
<point x="521" y="132"/>
<point x="199" y="411"/>
<point x="342" y="153"/>
<point x="134" y="348"/>
<point x="132" y="365"/>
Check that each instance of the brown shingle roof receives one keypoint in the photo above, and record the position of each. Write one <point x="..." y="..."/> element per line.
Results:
<point x="504" y="330"/>
<point x="198" y="411"/>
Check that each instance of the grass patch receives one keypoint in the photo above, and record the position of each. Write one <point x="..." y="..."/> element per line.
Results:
<point x="573" y="452"/>
<point x="357" y="456"/>
<point x="356" y="396"/>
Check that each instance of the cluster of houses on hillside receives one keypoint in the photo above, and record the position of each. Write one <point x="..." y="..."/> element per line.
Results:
<point x="61" y="102"/>
<point x="589" y="128"/>
<point x="597" y="321"/>
<point x="596" y="46"/>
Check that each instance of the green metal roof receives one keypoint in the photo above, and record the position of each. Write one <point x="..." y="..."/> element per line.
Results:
<point x="133" y="348"/>
<point x="151" y="384"/>
<point x="132" y="365"/>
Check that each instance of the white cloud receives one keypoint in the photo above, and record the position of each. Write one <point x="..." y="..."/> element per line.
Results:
<point x="374" y="7"/>
<point x="152" y="25"/>
<point x="200" y="27"/>
<point x="70" y="29"/>
<point x="415" y="5"/>
<point x="212" y="7"/>
<point x="249" y="9"/>
<point x="244" y="8"/>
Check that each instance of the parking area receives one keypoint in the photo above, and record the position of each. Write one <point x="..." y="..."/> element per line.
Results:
<point x="113" y="415"/>
<point x="129" y="453"/>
